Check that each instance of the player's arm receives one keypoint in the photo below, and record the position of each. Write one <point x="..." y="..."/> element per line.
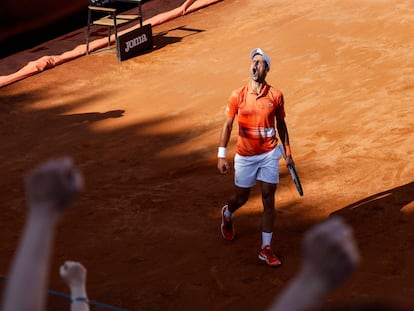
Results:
<point x="74" y="275"/>
<point x="330" y="255"/>
<point x="222" y="163"/>
<point x="50" y="189"/>
<point x="284" y="138"/>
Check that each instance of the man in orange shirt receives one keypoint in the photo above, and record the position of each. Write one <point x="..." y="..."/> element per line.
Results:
<point x="260" y="111"/>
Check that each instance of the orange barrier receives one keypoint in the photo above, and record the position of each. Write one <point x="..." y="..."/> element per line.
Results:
<point x="47" y="62"/>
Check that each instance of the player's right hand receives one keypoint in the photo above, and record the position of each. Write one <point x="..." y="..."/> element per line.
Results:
<point x="223" y="166"/>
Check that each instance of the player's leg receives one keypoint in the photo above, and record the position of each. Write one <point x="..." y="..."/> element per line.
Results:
<point x="238" y="199"/>
<point x="269" y="177"/>
<point x="241" y="196"/>
<point x="268" y="199"/>
<point x="245" y="169"/>
<point x="268" y="174"/>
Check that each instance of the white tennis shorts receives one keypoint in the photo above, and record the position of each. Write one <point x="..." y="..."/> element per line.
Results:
<point x="262" y="167"/>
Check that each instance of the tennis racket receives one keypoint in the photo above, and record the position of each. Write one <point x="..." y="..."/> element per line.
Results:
<point x="293" y="172"/>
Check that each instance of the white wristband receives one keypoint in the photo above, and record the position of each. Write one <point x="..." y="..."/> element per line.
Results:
<point x="222" y="152"/>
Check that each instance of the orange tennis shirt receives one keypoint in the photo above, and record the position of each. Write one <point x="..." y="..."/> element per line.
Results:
<point x="256" y="118"/>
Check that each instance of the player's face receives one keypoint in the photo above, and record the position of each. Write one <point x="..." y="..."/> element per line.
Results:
<point x="258" y="68"/>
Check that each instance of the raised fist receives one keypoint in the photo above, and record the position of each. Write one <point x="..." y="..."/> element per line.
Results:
<point x="54" y="184"/>
<point x="330" y="252"/>
<point x="73" y="273"/>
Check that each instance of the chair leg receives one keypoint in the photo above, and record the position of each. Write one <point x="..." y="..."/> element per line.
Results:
<point x="109" y="36"/>
<point x="140" y="14"/>
<point x="118" y="52"/>
<point x="88" y="32"/>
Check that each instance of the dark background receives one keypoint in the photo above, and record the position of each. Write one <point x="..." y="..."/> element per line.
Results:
<point x="21" y="30"/>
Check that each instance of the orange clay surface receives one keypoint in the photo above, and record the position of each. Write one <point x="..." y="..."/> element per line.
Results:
<point x="145" y="134"/>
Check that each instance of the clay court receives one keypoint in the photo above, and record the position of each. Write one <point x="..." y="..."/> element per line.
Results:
<point x="145" y="132"/>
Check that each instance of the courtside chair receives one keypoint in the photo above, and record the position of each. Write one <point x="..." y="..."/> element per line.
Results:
<point x="104" y="13"/>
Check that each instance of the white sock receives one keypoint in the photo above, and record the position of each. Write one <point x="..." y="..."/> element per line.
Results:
<point x="228" y="214"/>
<point x="266" y="238"/>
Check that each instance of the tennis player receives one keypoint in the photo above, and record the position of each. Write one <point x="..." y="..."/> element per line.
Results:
<point x="259" y="108"/>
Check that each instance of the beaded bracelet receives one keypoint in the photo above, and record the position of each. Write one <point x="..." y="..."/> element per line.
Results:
<point x="80" y="299"/>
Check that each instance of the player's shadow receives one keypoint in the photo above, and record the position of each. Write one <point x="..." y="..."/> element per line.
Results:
<point x="390" y="202"/>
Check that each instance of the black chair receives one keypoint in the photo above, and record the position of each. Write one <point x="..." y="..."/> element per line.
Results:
<point x="105" y="13"/>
